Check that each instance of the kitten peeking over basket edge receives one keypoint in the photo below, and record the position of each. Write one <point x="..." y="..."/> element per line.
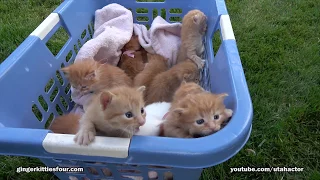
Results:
<point x="118" y="112"/>
<point x="195" y="114"/>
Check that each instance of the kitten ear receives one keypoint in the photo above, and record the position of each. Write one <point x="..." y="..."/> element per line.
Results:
<point x="228" y="112"/>
<point x="141" y="89"/>
<point x="223" y="95"/>
<point x="196" y="18"/>
<point x="90" y="76"/>
<point x="66" y="70"/>
<point x="179" y="111"/>
<point x="105" y="99"/>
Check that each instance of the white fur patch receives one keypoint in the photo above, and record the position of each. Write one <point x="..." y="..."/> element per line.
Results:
<point x="155" y="113"/>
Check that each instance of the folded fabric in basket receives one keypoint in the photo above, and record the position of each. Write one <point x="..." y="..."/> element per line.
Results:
<point x="113" y="29"/>
<point x="162" y="38"/>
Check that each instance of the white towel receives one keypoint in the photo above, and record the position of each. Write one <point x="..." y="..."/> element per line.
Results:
<point x="162" y="38"/>
<point x="113" y="29"/>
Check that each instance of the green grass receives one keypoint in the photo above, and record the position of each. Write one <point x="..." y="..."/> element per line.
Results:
<point x="279" y="45"/>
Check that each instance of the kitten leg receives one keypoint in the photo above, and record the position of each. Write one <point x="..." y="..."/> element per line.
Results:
<point x="86" y="133"/>
<point x="196" y="59"/>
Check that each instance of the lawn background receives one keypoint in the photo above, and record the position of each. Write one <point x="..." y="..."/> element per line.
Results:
<point x="279" y="45"/>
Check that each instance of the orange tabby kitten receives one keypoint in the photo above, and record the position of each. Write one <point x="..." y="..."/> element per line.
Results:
<point x="118" y="112"/>
<point x="134" y="57"/>
<point x="166" y="83"/>
<point x="195" y="115"/>
<point x="194" y="26"/>
<point x="157" y="64"/>
<point x="185" y="89"/>
<point x="90" y="76"/>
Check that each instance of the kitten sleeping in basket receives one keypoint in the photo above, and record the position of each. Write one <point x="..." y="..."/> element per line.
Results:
<point x="89" y="77"/>
<point x="133" y="58"/>
<point x="195" y="113"/>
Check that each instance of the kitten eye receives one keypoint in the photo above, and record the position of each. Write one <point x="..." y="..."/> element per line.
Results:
<point x="128" y="114"/>
<point x="142" y="110"/>
<point x="216" y="117"/>
<point x="91" y="92"/>
<point x="83" y="87"/>
<point x="200" y="121"/>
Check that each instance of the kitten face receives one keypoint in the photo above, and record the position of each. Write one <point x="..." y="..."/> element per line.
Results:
<point x="124" y="109"/>
<point x="201" y="114"/>
<point x="200" y="20"/>
<point x="82" y="75"/>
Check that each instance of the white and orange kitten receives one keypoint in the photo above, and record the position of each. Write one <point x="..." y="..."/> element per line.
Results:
<point x="194" y="26"/>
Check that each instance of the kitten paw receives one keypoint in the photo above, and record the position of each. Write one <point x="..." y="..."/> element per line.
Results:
<point x="200" y="64"/>
<point x="84" y="137"/>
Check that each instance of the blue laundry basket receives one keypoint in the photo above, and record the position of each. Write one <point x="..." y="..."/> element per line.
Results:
<point x="30" y="79"/>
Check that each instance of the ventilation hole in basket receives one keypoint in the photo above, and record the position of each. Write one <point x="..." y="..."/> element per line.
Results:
<point x="142" y="10"/>
<point x="152" y="175"/>
<point x="49" y="120"/>
<point x="168" y="176"/>
<point x="48" y="85"/>
<point x="160" y="167"/>
<point x="175" y="19"/>
<point x="129" y="171"/>
<point x="79" y="43"/>
<point x="163" y="13"/>
<point x="57" y="41"/>
<point x="90" y="30"/>
<point x="87" y="40"/>
<point x="62" y="65"/>
<point x="59" y="110"/>
<point x="66" y="90"/>
<point x="150" y="0"/>
<point x="43" y="103"/>
<point x="54" y="94"/>
<point x="64" y="102"/>
<point x="93" y="171"/>
<point x="83" y="34"/>
<point x="216" y="41"/>
<point x="175" y="11"/>
<point x="75" y="49"/>
<point x="142" y="19"/>
<point x="147" y="26"/>
<point x="36" y="112"/>
<point x="59" y="77"/>
<point x="107" y="172"/>
<point x="69" y="55"/>
<point x="154" y="13"/>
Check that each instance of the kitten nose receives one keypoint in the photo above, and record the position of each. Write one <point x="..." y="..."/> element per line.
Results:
<point x="212" y="126"/>
<point x="141" y="121"/>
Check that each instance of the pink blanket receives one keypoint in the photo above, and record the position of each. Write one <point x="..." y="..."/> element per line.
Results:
<point x="113" y="28"/>
<point x="162" y="38"/>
